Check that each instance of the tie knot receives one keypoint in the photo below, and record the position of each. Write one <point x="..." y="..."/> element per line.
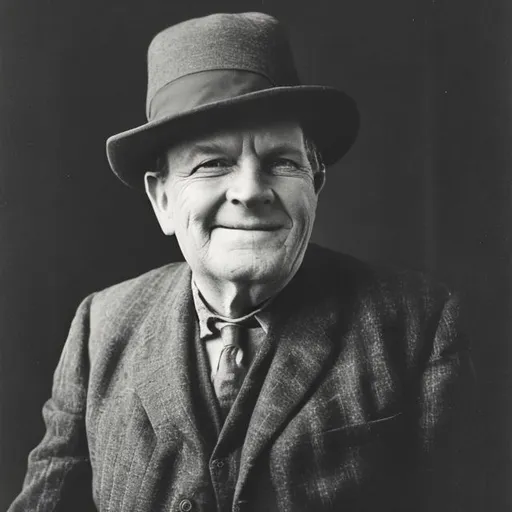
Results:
<point x="231" y="330"/>
<point x="230" y="334"/>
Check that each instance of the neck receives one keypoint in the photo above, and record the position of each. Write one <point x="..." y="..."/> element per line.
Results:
<point x="234" y="299"/>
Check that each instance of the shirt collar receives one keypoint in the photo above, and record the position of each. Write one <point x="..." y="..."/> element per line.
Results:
<point x="205" y="314"/>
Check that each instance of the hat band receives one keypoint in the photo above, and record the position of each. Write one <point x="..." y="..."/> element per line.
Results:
<point x="198" y="89"/>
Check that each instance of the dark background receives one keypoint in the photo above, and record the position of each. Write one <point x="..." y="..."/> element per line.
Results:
<point x="426" y="186"/>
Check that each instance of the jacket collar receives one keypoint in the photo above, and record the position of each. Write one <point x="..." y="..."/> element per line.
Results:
<point x="164" y="360"/>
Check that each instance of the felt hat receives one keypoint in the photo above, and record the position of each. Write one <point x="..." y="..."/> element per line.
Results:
<point x="207" y="72"/>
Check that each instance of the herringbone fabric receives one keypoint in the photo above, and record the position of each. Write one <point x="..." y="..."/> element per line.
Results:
<point x="358" y="399"/>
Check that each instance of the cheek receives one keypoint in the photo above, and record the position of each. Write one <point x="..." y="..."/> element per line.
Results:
<point x="193" y="205"/>
<point x="300" y="202"/>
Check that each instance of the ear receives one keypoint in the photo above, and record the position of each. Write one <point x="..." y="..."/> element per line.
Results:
<point x="319" y="180"/>
<point x="156" y="190"/>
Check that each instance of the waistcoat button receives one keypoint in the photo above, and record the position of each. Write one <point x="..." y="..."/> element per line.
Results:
<point x="218" y="463"/>
<point x="185" y="505"/>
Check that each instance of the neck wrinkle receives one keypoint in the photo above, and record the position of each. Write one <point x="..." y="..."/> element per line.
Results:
<point x="234" y="301"/>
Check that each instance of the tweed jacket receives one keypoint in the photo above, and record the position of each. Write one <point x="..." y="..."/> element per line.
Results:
<point x="362" y="402"/>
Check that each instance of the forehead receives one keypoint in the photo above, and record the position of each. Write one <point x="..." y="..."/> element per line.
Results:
<point x="261" y="137"/>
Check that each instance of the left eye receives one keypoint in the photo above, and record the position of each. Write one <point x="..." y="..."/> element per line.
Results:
<point x="283" y="162"/>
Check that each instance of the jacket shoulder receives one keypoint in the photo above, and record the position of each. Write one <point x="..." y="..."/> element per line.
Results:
<point x="392" y="287"/>
<point x="150" y="278"/>
<point x="399" y="308"/>
<point x="124" y="304"/>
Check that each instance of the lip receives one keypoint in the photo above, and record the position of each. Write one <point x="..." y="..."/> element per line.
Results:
<point x="250" y="227"/>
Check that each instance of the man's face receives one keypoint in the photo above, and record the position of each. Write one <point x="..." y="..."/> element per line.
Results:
<point x="241" y="202"/>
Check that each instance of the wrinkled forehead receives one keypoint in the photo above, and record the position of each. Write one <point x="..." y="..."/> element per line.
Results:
<point x="261" y="136"/>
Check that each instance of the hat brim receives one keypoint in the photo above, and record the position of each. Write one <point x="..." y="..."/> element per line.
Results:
<point x="329" y="116"/>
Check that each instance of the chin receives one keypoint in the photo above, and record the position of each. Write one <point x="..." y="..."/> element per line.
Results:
<point x="254" y="268"/>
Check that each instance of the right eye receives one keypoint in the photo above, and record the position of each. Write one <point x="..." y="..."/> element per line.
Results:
<point x="216" y="163"/>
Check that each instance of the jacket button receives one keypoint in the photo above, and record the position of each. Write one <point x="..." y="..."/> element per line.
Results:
<point x="185" y="505"/>
<point x="218" y="463"/>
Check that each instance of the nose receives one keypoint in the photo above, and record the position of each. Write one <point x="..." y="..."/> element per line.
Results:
<point x="248" y="186"/>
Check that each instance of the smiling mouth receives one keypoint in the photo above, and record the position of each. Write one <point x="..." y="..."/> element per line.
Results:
<point x="256" y="227"/>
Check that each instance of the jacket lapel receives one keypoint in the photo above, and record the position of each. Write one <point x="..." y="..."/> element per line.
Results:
<point x="301" y="337"/>
<point x="165" y="359"/>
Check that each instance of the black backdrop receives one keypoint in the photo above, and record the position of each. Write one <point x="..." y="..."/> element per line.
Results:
<point x="427" y="185"/>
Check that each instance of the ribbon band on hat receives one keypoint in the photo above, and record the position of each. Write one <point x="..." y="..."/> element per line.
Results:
<point x="202" y="88"/>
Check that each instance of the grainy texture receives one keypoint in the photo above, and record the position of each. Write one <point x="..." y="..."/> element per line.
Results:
<point x="365" y="393"/>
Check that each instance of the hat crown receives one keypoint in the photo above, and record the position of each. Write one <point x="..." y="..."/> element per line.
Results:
<point x="252" y="41"/>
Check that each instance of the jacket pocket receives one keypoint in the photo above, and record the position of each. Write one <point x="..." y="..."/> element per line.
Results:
<point x="343" y="463"/>
<point x="374" y="428"/>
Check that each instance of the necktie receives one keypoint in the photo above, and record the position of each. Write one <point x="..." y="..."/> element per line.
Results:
<point x="230" y="370"/>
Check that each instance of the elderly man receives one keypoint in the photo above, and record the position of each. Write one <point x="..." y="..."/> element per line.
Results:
<point x="263" y="373"/>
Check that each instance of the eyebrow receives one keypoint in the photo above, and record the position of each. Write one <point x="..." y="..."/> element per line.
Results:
<point x="284" y="148"/>
<point x="209" y="147"/>
<point x="201" y="148"/>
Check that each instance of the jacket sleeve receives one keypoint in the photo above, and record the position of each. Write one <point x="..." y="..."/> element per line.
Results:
<point x="447" y="416"/>
<point x="58" y="476"/>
